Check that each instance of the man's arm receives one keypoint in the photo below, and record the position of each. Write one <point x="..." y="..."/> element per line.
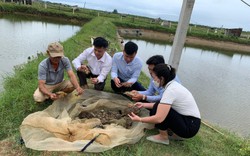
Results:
<point x="150" y="93"/>
<point x="114" y="72"/>
<point x="44" y="90"/>
<point x="105" y="70"/>
<point x="74" y="81"/>
<point x="137" y="72"/>
<point x="77" y="62"/>
<point x="114" y="68"/>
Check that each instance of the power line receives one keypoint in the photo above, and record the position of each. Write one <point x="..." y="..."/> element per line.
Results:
<point x="245" y="3"/>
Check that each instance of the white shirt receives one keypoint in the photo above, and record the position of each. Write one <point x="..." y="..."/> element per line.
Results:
<point x="180" y="99"/>
<point x="99" y="67"/>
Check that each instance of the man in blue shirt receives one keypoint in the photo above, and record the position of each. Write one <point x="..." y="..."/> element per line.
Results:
<point x="153" y="93"/>
<point x="126" y="68"/>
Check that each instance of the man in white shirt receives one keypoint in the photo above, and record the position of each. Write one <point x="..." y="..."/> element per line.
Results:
<point x="98" y="66"/>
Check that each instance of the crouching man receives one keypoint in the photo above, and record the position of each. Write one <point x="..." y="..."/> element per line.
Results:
<point x="51" y="75"/>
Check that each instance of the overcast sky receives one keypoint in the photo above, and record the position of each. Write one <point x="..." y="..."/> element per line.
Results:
<point x="215" y="13"/>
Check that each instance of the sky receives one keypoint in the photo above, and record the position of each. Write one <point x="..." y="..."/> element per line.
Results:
<point x="214" y="13"/>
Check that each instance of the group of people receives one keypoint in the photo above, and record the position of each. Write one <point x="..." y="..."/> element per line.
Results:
<point x="172" y="107"/>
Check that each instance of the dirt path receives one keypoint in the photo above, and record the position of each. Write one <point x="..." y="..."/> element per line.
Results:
<point x="193" y="41"/>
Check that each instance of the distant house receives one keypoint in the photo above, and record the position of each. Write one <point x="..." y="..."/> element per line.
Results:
<point x="20" y="1"/>
<point x="156" y="20"/>
<point x="233" y="32"/>
<point x="165" y="23"/>
<point x="212" y="29"/>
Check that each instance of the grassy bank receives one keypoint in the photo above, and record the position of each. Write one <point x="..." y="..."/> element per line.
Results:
<point x="17" y="102"/>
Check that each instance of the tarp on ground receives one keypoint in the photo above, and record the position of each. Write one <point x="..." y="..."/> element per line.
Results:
<point x="59" y="128"/>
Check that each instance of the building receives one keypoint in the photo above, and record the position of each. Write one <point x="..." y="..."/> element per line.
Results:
<point x="236" y="32"/>
<point x="20" y="1"/>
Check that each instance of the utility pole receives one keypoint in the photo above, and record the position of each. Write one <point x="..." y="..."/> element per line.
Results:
<point x="84" y="5"/>
<point x="181" y="33"/>
<point x="45" y="4"/>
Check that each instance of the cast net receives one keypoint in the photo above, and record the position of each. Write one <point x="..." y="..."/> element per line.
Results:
<point x="94" y="122"/>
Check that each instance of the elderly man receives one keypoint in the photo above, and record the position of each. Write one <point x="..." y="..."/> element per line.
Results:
<point x="51" y="75"/>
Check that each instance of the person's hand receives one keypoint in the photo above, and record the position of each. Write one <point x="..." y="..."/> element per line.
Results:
<point x="134" y="92"/>
<point x="79" y="91"/>
<point x="84" y="68"/>
<point x="138" y="104"/>
<point x="53" y="96"/>
<point x="134" y="117"/>
<point x="94" y="80"/>
<point x="117" y="82"/>
<point x="137" y="97"/>
<point x="126" y="84"/>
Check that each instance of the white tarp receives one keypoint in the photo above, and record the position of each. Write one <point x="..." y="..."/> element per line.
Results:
<point x="58" y="128"/>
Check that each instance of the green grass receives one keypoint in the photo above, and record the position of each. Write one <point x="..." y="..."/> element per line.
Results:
<point x="17" y="102"/>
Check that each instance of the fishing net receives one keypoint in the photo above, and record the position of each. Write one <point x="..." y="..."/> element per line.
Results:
<point x="93" y="122"/>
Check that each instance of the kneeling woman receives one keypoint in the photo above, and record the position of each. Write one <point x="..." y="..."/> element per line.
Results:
<point x="177" y="110"/>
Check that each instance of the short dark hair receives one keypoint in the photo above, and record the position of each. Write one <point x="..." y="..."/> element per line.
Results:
<point x="100" y="42"/>
<point x="165" y="71"/>
<point x="156" y="59"/>
<point x="130" y="48"/>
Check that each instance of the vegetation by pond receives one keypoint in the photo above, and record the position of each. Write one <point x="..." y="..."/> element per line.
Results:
<point x="17" y="102"/>
<point x="122" y="20"/>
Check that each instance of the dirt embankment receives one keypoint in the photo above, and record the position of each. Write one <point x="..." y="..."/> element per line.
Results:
<point x="192" y="41"/>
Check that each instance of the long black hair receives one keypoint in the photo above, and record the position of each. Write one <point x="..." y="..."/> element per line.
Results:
<point x="165" y="71"/>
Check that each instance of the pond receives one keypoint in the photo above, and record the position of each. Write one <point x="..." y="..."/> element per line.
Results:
<point x="23" y="37"/>
<point x="219" y="82"/>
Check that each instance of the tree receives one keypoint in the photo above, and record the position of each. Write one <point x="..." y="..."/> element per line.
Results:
<point x="115" y="11"/>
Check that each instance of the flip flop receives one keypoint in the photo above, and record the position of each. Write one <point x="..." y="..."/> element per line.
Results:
<point x="151" y="138"/>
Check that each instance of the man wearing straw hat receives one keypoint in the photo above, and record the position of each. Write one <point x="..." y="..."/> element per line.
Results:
<point x="51" y="75"/>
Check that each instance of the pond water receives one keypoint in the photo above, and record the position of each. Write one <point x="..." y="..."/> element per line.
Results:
<point x="22" y="37"/>
<point x="220" y="83"/>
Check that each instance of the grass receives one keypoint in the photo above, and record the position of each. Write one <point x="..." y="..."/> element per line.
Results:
<point x="17" y="102"/>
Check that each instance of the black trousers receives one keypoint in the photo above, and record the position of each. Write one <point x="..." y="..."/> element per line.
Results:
<point x="183" y="126"/>
<point x="83" y="80"/>
<point x="136" y="86"/>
